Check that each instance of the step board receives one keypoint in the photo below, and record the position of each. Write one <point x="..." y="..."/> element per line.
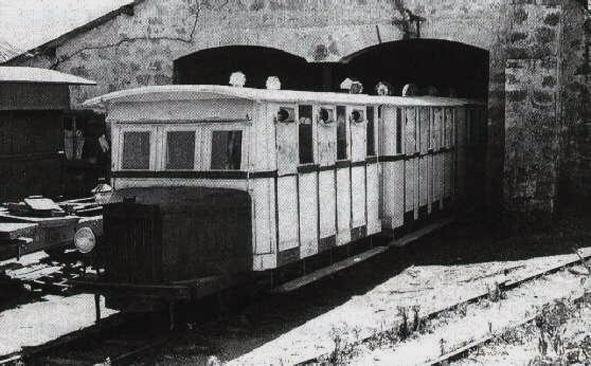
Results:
<point x="327" y="271"/>
<point x="414" y="236"/>
<point x="346" y="263"/>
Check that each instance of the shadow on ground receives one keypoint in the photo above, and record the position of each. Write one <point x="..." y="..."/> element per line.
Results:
<point x="465" y="242"/>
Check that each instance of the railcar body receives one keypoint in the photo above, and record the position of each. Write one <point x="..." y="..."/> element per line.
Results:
<point x="216" y="181"/>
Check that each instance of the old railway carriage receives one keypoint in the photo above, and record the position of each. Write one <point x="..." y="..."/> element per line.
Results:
<point x="215" y="181"/>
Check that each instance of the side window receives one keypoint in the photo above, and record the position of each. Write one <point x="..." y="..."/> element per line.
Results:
<point x="226" y="150"/>
<point x="371" y="144"/>
<point x="305" y="130"/>
<point x="342" y="133"/>
<point x="136" y="150"/>
<point x="180" y="150"/>
<point x="398" y="131"/>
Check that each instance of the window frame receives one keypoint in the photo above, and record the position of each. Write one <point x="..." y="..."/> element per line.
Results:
<point x="190" y="127"/>
<point x="207" y="141"/>
<point x="314" y="110"/>
<point x="347" y="132"/>
<point x="153" y="158"/>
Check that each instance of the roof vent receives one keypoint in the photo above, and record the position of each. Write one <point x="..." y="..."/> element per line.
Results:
<point x="273" y="83"/>
<point x="238" y="79"/>
<point x="383" y="88"/>
<point x="410" y="90"/>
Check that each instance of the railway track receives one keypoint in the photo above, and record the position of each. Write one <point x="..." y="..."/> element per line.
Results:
<point x="114" y="341"/>
<point x="461" y="350"/>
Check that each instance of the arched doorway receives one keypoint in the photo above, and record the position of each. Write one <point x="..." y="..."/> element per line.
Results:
<point x="445" y="65"/>
<point x="426" y="62"/>
<point x="214" y="66"/>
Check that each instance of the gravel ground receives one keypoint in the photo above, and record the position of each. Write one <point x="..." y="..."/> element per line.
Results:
<point x="475" y="322"/>
<point x="31" y="318"/>
<point x="436" y="272"/>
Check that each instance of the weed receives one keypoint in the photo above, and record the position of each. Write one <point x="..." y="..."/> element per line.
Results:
<point x="552" y="347"/>
<point x="462" y="309"/>
<point x="344" y="345"/>
<point x="386" y="336"/>
<point x="403" y="329"/>
<point x="442" y="344"/>
<point x="513" y="336"/>
<point x="416" y="318"/>
<point x="495" y="293"/>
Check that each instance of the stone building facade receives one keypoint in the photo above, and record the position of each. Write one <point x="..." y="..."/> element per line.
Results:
<point x="537" y="50"/>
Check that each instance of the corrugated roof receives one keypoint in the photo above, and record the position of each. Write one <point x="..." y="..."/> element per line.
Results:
<point x="204" y="92"/>
<point x="14" y="74"/>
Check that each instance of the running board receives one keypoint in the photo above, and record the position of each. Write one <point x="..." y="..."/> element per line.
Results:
<point x="346" y="263"/>
<point x="327" y="271"/>
<point x="414" y="236"/>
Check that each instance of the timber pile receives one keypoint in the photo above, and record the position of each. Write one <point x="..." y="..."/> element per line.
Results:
<point x="39" y="223"/>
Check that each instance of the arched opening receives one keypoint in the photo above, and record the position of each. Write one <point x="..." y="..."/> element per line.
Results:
<point x="214" y="66"/>
<point x="426" y="62"/>
<point x="441" y="64"/>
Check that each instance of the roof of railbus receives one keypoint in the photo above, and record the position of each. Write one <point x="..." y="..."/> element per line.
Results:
<point x="208" y="92"/>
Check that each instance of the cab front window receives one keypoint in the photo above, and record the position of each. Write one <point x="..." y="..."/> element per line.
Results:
<point x="136" y="150"/>
<point x="180" y="150"/>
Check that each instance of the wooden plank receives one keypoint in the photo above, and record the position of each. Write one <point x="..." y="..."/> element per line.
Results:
<point x="12" y="231"/>
<point x="42" y="204"/>
<point x="42" y="221"/>
<point x="327" y="271"/>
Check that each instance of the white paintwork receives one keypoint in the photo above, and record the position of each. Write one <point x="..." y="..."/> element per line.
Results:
<point x="287" y="201"/>
<point x="263" y="200"/>
<point x="374" y="225"/>
<point x="343" y="206"/>
<point x="357" y="133"/>
<point x="224" y="92"/>
<point x="308" y="198"/>
<point x="263" y="262"/>
<point x="178" y="111"/>
<point x="358" y="193"/>
<point x="327" y="204"/>
<point x="309" y="206"/>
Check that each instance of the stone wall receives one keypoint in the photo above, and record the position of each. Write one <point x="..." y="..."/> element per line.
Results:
<point x="535" y="48"/>
<point x="575" y="128"/>
<point x="532" y="106"/>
